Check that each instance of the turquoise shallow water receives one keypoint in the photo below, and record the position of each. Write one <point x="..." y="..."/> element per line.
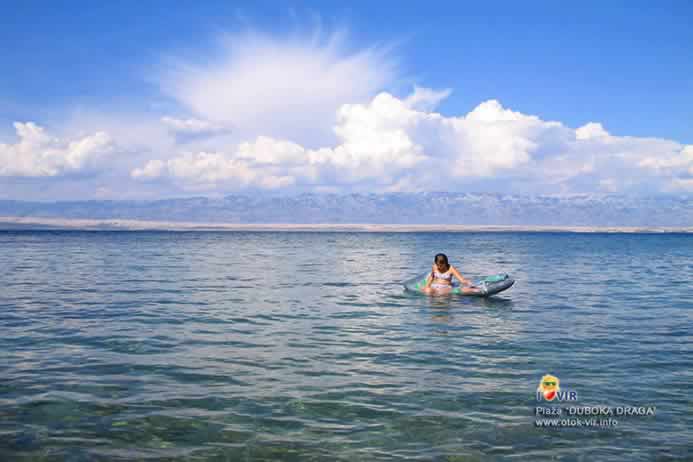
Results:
<point x="303" y="346"/>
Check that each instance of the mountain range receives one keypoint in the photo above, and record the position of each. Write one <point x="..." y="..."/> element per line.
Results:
<point x="431" y="208"/>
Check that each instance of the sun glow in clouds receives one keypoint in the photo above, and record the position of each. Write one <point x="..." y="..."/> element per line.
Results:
<point x="283" y="87"/>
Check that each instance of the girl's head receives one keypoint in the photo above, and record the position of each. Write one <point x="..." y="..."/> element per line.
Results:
<point x="441" y="260"/>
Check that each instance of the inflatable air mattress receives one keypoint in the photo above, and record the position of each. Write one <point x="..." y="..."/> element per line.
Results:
<point x="488" y="285"/>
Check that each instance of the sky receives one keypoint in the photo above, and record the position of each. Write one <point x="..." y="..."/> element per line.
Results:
<point x="145" y="100"/>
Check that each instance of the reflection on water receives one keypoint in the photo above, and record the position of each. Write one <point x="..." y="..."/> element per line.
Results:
<point x="276" y="346"/>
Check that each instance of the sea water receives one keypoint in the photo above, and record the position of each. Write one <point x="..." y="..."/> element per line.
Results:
<point x="304" y="346"/>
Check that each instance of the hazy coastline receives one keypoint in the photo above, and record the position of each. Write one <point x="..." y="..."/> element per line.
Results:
<point x="36" y="223"/>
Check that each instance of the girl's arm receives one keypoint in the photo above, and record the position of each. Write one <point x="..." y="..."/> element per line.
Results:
<point x="429" y="279"/>
<point x="459" y="276"/>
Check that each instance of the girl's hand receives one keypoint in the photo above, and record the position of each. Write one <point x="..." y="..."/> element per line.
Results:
<point x="467" y="283"/>
<point x="463" y="280"/>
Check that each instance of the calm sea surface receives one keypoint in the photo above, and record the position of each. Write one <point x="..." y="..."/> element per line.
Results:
<point x="303" y="346"/>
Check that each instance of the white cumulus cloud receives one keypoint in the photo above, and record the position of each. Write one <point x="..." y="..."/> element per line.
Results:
<point x="590" y="130"/>
<point x="393" y="144"/>
<point x="37" y="154"/>
<point x="206" y="171"/>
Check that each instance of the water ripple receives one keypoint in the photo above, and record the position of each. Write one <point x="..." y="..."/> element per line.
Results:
<point x="245" y="346"/>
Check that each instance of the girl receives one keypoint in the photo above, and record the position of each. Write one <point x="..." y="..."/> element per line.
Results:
<point x="440" y="279"/>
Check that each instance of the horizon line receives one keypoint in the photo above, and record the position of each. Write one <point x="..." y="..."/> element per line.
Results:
<point x="12" y="223"/>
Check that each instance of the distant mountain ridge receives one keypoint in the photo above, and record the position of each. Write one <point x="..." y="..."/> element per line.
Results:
<point x="389" y="208"/>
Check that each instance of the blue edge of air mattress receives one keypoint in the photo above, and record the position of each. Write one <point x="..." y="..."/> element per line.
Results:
<point x="488" y="285"/>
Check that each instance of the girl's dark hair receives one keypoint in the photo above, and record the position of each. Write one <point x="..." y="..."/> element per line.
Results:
<point x="443" y="256"/>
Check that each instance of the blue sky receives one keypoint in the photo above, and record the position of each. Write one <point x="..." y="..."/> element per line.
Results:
<point x="623" y="65"/>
